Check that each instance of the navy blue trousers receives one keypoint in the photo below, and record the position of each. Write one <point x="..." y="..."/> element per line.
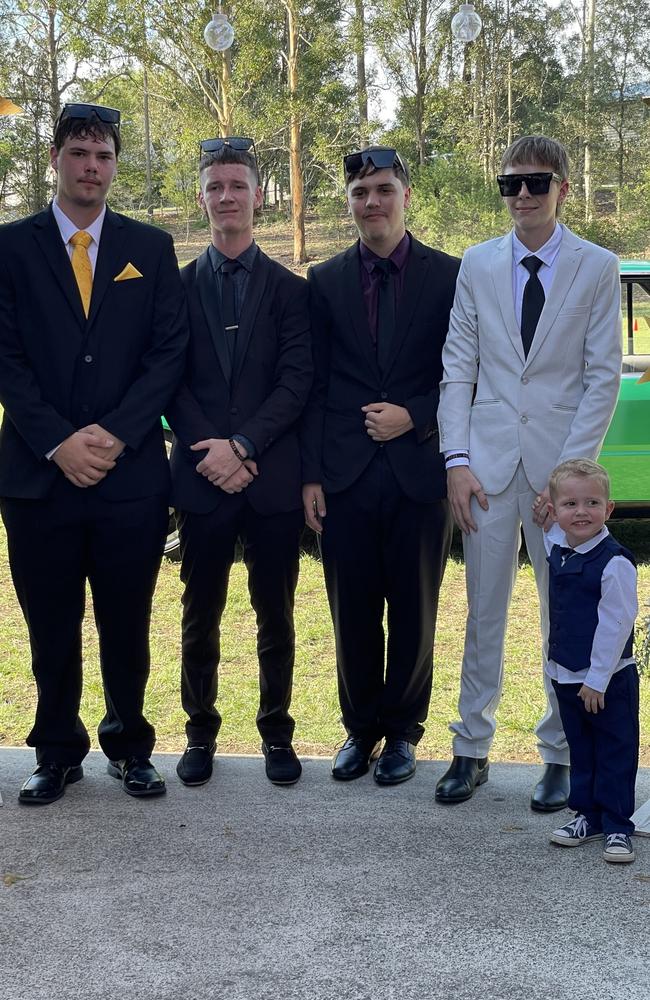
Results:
<point x="604" y="751"/>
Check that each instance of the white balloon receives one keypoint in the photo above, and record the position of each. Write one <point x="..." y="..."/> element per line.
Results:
<point x="219" y="33"/>
<point x="466" y="24"/>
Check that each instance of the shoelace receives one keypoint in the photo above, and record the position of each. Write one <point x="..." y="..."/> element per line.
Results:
<point x="578" y="827"/>
<point x="617" y="840"/>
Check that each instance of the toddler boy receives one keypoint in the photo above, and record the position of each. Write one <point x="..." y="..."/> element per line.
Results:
<point x="593" y="604"/>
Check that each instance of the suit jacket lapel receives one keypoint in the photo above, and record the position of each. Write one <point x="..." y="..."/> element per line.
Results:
<point x="256" y="287"/>
<point x="211" y="308"/>
<point x="415" y="279"/>
<point x="108" y="257"/>
<point x="353" y="292"/>
<point x="566" y="265"/>
<point x="48" y="238"/>
<point x="502" y="279"/>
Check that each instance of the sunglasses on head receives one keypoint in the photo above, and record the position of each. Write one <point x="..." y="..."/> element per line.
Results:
<point x="110" y="116"/>
<point x="537" y="183"/>
<point x="238" y="142"/>
<point x="380" y="159"/>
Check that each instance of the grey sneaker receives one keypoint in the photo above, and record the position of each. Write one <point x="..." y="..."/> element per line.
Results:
<point x="578" y="831"/>
<point x="618" y="848"/>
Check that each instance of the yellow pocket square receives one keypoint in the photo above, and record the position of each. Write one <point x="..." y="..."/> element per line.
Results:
<point x="128" y="272"/>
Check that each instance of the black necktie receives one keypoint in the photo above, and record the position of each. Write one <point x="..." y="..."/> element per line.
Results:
<point x="229" y="306"/>
<point x="533" y="302"/>
<point x="385" y="310"/>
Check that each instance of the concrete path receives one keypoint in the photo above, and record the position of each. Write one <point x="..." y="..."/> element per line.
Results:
<point x="243" y="891"/>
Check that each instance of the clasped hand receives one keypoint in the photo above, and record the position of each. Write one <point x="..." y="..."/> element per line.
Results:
<point x="88" y="455"/>
<point x="221" y="466"/>
<point x="385" y="421"/>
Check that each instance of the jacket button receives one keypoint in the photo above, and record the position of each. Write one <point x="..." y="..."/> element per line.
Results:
<point x="524" y="420"/>
<point x="234" y="410"/>
<point x="84" y="408"/>
<point x="88" y="358"/>
<point x="384" y="395"/>
<point x="525" y="380"/>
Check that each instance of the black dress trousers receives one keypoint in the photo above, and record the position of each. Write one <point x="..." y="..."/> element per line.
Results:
<point x="55" y="546"/>
<point x="271" y="546"/>
<point x="382" y="550"/>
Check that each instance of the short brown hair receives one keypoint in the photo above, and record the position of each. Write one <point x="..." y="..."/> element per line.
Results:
<point x="85" y="128"/>
<point x="582" y="467"/>
<point x="537" y="149"/>
<point x="229" y="155"/>
<point x="369" y="168"/>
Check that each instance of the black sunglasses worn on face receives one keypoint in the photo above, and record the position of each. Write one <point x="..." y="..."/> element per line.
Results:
<point x="239" y="142"/>
<point x="110" y="116"/>
<point x="380" y="159"/>
<point x="537" y="183"/>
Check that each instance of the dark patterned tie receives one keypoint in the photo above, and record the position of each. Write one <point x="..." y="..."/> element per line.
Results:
<point x="385" y="310"/>
<point x="229" y="306"/>
<point x="533" y="302"/>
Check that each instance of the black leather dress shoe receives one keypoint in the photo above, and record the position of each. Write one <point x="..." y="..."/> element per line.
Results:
<point x="138" y="776"/>
<point x="282" y="764"/>
<point x="459" y="781"/>
<point x="47" y="783"/>
<point x="552" y="791"/>
<point x="396" y="763"/>
<point x="195" y="766"/>
<point x="353" y="759"/>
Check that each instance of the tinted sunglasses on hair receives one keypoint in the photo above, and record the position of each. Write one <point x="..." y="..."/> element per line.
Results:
<point x="110" y="116"/>
<point x="238" y="142"/>
<point x="380" y="159"/>
<point x="537" y="183"/>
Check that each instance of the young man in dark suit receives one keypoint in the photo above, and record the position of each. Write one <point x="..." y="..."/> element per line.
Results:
<point x="374" y="483"/>
<point x="236" y="462"/>
<point x="92" y="338"/>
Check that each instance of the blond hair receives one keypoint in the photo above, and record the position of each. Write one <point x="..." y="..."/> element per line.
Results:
<point x="582" y="467"/>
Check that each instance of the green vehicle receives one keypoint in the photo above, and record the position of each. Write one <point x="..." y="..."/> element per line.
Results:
<point x="626" y="449"/>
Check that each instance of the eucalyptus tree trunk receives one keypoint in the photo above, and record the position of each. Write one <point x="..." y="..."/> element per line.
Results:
<point x="359" y="39"/>
<point x="590" y="29"/>
<point x="295" y="147"/>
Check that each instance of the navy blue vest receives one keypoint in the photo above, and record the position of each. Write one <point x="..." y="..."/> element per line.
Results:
<point x="574" y="595"/>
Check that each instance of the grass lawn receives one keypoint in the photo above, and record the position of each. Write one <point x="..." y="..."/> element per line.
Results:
<point x="315" y="703"/>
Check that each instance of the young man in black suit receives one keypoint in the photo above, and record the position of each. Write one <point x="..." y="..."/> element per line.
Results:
<point x="374" y="483"/>
<point x="235" y="461"/>
<point x="92" y="338"/>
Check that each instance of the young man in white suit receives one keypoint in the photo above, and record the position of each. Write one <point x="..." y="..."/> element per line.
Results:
<point x="531" y="372"/>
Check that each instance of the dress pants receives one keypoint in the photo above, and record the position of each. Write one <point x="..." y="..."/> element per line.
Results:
<point x="55" y="545"/>
<point x="491" y="556"/>
<point x="604" y="751"/>
<point x="381" y="549"/>
<point x="271" y="553"/>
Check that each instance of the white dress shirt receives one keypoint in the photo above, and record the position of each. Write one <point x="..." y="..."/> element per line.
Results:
<point x="617" y="611"/>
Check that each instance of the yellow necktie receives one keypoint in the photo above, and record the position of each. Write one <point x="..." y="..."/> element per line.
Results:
<point x="82" y="267"/>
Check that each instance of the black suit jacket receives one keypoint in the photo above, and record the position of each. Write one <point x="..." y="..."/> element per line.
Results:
<point x="336" y="447"/>
<point x="263" y="397"/>
<point x="60" y="371"/>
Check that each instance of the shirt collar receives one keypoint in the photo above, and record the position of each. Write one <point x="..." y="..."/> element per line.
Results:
<point x="546" y="253"/>
<point x="399" y="256"/>
<point x="246" y="259"/>
<point x="67" y="228"/>
<point x="558" y="537"/>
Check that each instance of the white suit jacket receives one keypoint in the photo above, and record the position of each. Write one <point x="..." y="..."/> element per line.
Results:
<point x="556" y="403"/>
